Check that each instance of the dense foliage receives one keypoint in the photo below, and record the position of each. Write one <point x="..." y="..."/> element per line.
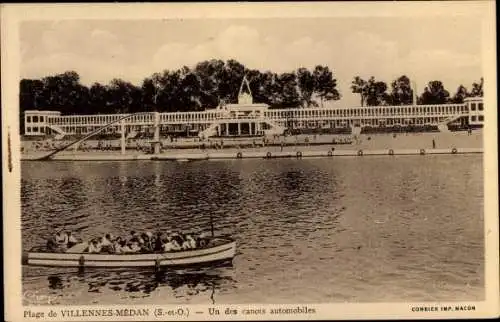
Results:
<point x="374" y="93"/>
<point x="214" y="82"/>
<point x="207" y="85"/>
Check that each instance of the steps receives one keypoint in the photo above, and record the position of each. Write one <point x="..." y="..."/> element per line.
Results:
<point x="209" y="131"/>
<point x="60" y="133"/>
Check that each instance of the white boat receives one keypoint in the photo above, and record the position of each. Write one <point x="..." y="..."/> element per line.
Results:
<point x="218" y="250"/>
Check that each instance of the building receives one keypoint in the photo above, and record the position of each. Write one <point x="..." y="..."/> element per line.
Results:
<point x="247" y="118"/>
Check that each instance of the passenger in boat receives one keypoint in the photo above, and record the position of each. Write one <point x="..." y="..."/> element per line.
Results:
<point x="175" y="244"/>
<point x="51" y="244"/>
<point x="185" y="245"/>
<point x="158" y="242"/>
<point x="190" y="240"/>
<point x="177" y="238"/>
<point x="94" y="246"/>
<point x="124" y="248"/>
<point x="71" y="240"/>
<point x="135" y="237"/>
<point x="171" y="245"/>
<point x="61" y="238"/>
<point x="106" y="244"/>
<point x="111" y="238"/>
<point x="134" y="247"/>
<point x="148" y="242"/>
<point x="167" y="245"/>
<point x="117" y="245"/>
<point x="202" y="239"/>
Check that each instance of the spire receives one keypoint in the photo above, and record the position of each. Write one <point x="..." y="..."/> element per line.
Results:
<point x="245" y="98"/>
<point x="414" y="92"/>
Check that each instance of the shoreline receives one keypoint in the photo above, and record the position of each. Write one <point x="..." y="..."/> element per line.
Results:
<point x="284" y="147"/>
<point x="245" y="154"/>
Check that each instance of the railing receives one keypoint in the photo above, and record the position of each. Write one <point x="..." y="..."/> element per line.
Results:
<point x="48" y="156"/>
<point x="304" y="114"/>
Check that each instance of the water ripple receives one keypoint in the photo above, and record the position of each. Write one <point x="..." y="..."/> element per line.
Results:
<point x="311" y="230"/>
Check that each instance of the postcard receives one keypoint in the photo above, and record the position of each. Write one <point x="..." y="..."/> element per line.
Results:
<point x="250" y="161"/>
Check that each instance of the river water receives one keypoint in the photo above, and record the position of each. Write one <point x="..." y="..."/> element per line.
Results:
<point x="371" y="229"/>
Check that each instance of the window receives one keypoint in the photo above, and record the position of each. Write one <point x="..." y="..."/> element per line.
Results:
<point x="473" y="118"/>
<point x="35" y="119"/>
<point x="480" y="106"/>
<point x="42" y="129"/>
<point x="480" y="118"/>
<point x="28" y="119"/>
<point x="28" y="129"/>
<point x="35" y="129"/>
<point x="41" y="118"/>
<point x="473" y="107"/>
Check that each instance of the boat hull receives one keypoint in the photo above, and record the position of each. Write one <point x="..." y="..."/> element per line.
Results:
<point x="196" y="257"/>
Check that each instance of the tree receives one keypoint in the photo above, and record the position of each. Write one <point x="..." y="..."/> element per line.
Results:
<point x="165" y="90"/>
<point x="402" y="93"/>
<point x="263" y="85"/>
<point x="287" y="82"/>
<point x="206" y="85"/>
<point x="306" y="83"/>
<point x="30" y="97"/>
<point x="376" y="93"/>
<point x="230" y="82"/>
<point x="124" y="97"/>
<point x="477" y="89"/>
<point x="30" y="94"/>
<point x="210" y="74"/>
<point x="434" y="93"/>
<point x="360" y="86"/>
<point x="63" y="92"/>
<point x="189" y="93"/>
<point x="460" y="95"/>
<point x="324" y="84"/>
<point x="149" y="94"/>
<point x="98" y="98"/>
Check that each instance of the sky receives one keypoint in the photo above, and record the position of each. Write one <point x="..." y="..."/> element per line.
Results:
<point x="442" y="48"/>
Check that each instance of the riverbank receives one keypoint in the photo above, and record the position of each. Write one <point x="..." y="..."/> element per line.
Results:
<point x="321" y="146"/>
<point x="245" y="154"/>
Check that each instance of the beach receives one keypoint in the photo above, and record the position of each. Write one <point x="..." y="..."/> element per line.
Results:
<point x="402" y="143"/>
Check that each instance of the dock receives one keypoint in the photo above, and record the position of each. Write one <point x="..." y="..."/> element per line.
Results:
<point x="248" y="154"/>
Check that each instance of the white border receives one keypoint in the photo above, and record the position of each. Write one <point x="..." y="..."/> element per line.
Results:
<point x="11" y="15"/>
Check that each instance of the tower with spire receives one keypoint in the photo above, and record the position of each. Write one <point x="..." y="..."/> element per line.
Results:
<point x="245" y="98"/>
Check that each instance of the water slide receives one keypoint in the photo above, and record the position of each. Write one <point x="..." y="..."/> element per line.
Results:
<point x="86" y="137"/>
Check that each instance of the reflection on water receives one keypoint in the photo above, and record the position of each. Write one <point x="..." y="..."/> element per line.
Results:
<point x="137" y="283"/>
<point x="311" y="230"/>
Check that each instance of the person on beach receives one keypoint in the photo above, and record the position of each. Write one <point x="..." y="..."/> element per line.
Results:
<point x="433" y="144"/>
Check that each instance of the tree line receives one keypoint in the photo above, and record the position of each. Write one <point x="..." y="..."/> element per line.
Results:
<point x="375" y="93"/>
<point x="207" y="85"/>
<point x="214" y="82"/>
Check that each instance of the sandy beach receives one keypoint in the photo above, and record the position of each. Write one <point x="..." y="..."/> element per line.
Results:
<point x="370" y="144"/>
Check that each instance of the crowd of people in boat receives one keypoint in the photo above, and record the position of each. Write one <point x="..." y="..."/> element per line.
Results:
<point x="135" y="242"/>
